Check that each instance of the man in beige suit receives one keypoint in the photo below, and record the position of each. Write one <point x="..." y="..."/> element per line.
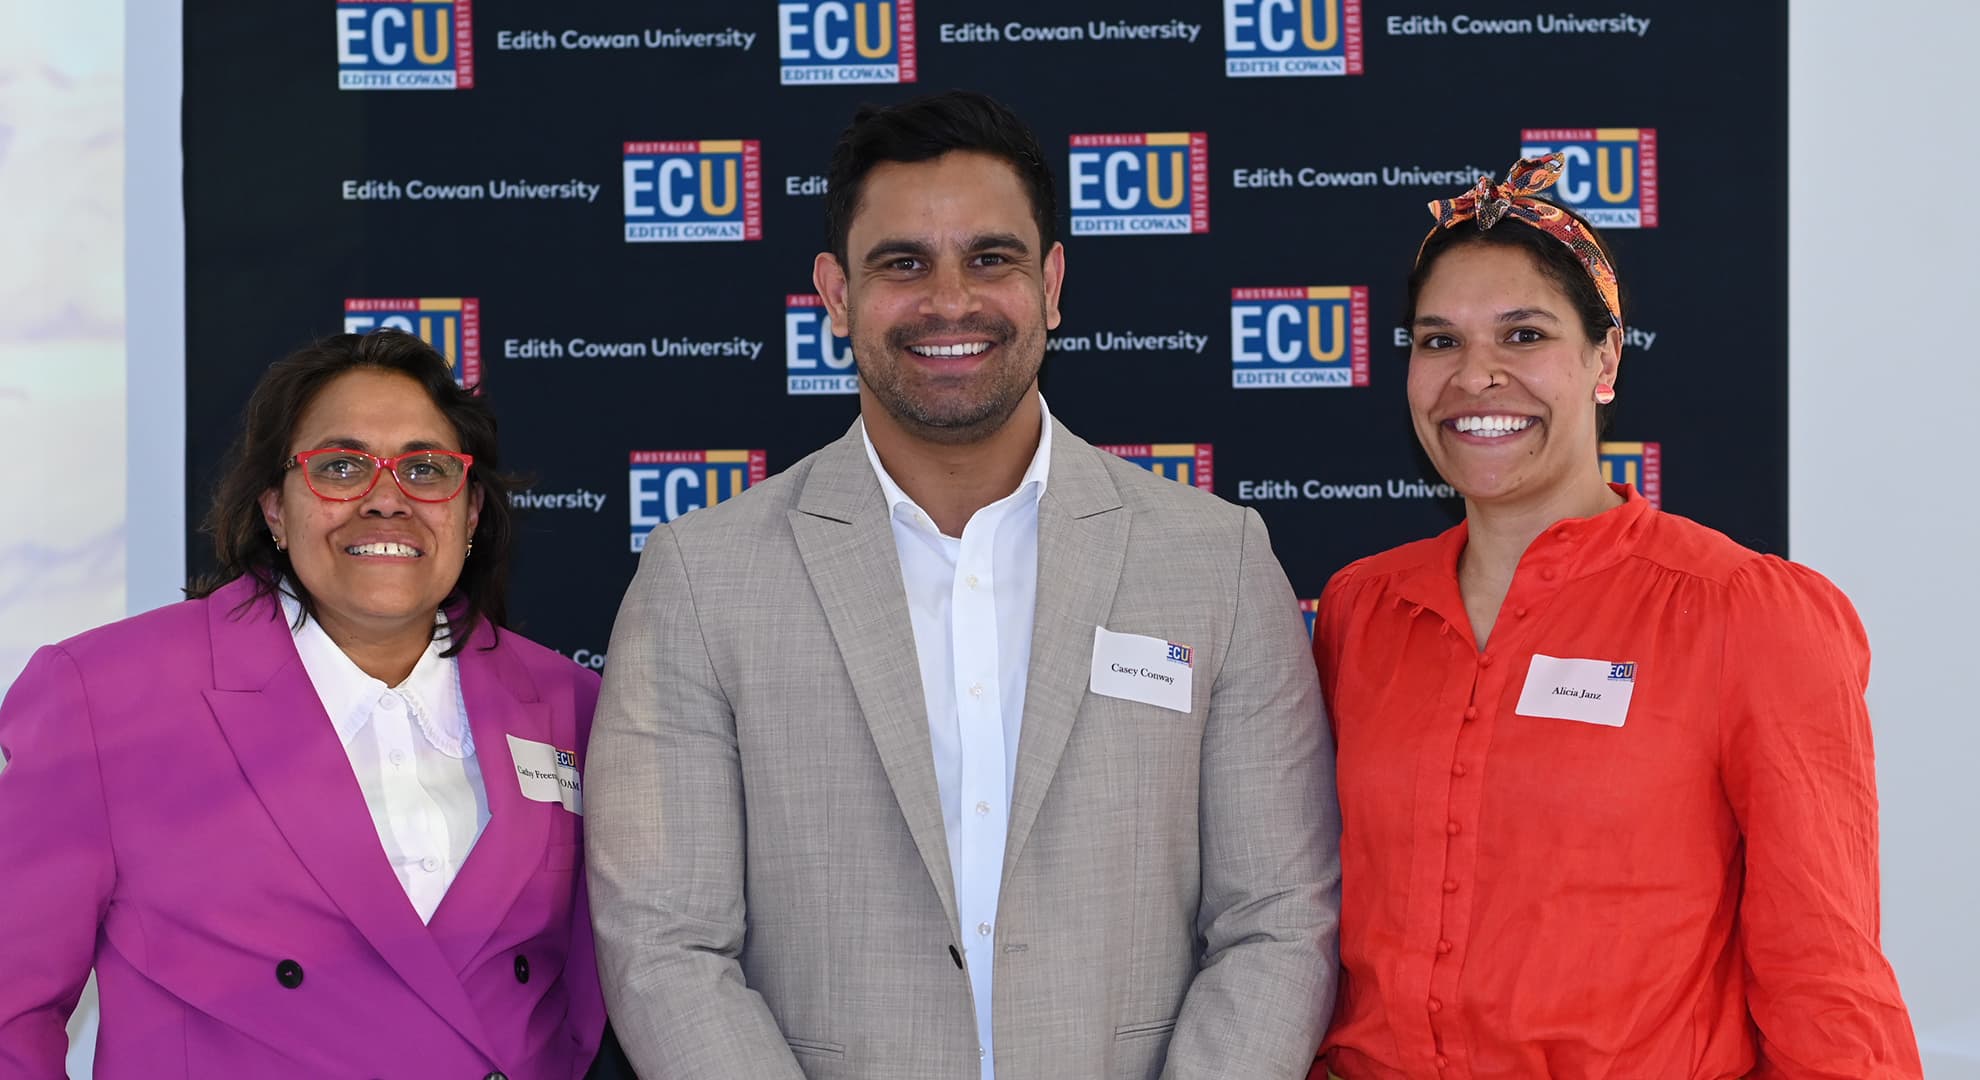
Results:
<point x="961" y="750"/>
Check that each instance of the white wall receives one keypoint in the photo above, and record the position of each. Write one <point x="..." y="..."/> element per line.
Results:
<point x="1884" y="334"/>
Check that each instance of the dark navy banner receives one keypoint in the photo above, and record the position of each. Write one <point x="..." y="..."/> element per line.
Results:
<point x="606" y="214"/>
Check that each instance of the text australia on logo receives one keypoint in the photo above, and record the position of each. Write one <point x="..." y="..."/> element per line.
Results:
<point x="405" y="45"/>
<point x="693" y="191"/>
<point x="1299" y="336"/>
<point x="1139" y="183"/>
<point x="845" y="41"/>
<point x="664" y="484"/>
<point x="1272" y="38"/>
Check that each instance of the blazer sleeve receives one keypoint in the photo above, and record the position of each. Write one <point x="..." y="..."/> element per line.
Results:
<point x="1802" y="780"/>
<point x="1270" y="825"/>
<point x="664" y="823"/>
<point x="55" y="857"/>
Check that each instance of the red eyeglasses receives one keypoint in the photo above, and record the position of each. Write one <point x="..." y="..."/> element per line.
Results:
<point x="338" y="474"/>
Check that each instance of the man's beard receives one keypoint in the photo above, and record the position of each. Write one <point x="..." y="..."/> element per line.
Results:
<point x="954" y="419"/>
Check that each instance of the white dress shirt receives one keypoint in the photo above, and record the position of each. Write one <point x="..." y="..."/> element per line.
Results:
<point x="413" y="753"/>
<point x="971" y="601"/>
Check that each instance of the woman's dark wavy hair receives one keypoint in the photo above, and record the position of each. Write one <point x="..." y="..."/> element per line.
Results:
<point x="1556" y="262"/>
<point x="241" y="543"/>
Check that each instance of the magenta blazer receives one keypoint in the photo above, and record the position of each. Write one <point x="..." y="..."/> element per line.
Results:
<point x="177" y="812"/>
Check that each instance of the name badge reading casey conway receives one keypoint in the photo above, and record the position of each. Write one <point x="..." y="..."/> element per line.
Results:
<point x="1591" y="691"/>
<point x="548" y="774"/>
<point x="1145" y="669"/>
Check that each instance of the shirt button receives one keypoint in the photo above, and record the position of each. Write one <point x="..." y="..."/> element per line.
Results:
<point x="1546" y="573"/>
<point x="388" y="702"/>
<point x="399" y="757"/>
<point x="970" y="581"/>
<point x="1471" y="712"/>
<point x="1485" y="661"/>
<point x="1436" y="1005"/>
<point x="1443" y="1062"/>
<point x="983" y="929"/>
<point x="1450" y="885"/>
<point x="1519" y="613"/>
<point x="1451" y="828"/>
<point x="1443" y="948"/>
<point x="982" y="808"/>
<point x="1458" y="769"/>
<point x="975" y="689"/>
<point x="430" y="864"/>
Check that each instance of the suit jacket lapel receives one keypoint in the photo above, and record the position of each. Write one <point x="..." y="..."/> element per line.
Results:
<point x="501" y="700"/>
<point x="845" y="536"/>
<point x="1082" y="544"/>
<point x="286" y="747"/>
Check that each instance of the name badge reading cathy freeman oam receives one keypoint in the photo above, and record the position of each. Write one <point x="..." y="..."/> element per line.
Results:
<point x="1590" y="691"/>
<point x="548" y="774"/>
<point x="1145" y="669"/>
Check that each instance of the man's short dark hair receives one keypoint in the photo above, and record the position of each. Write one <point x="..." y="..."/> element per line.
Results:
<point x="924" y="129"/>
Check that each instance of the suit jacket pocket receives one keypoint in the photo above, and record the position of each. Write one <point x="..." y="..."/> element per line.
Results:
<point x="1141" y="1049"/>
<point x="815" y="1048"/>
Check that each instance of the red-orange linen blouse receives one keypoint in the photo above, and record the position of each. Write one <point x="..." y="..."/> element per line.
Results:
<point x="1692" y="894"/>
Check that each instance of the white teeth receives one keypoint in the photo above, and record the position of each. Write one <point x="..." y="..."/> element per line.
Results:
<point x="1492" y="427"/>
<point x="396" y="551"/>
<point x="970" y="348"/>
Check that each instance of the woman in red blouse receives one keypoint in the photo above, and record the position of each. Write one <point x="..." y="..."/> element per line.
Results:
<point x="1606" y="782"/>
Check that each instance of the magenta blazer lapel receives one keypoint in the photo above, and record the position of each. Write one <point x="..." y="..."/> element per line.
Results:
<point x="501" y="701"/>
<point x="289" y="752"/>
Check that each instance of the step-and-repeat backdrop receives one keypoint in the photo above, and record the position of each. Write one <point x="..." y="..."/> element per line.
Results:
<point x="605" y="214"/>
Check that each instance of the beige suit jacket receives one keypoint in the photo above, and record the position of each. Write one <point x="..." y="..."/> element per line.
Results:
<point x="769" y="874"/>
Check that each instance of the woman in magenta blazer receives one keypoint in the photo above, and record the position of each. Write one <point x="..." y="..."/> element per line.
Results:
<point x="324" y="819"/>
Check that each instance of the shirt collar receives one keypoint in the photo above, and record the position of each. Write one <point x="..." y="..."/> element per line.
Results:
<point x="348" y="693"/>
<point x="1569" y="548"/>
<point x="1030" y="485"/>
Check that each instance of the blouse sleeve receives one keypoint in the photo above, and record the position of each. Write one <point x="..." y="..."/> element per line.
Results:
<point x="1801" y="777"/>
<point x="1330" y="629"/>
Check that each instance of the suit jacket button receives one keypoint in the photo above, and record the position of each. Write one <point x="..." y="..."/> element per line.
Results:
<point x="289" y="974"/>
<point x="496" y="1075"/>
<point x="522" y="969"/>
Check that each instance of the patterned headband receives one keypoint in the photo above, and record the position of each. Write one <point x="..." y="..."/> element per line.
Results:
<point x="1488" y="202"/>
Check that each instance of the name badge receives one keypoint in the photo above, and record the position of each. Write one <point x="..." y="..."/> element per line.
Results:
<point x="548" y="774"/>
<point x="1145" y="669"/>
<point x="1590" y="691"/>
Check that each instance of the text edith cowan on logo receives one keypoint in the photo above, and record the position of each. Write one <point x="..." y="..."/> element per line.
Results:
<point x="405" y="45"/>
